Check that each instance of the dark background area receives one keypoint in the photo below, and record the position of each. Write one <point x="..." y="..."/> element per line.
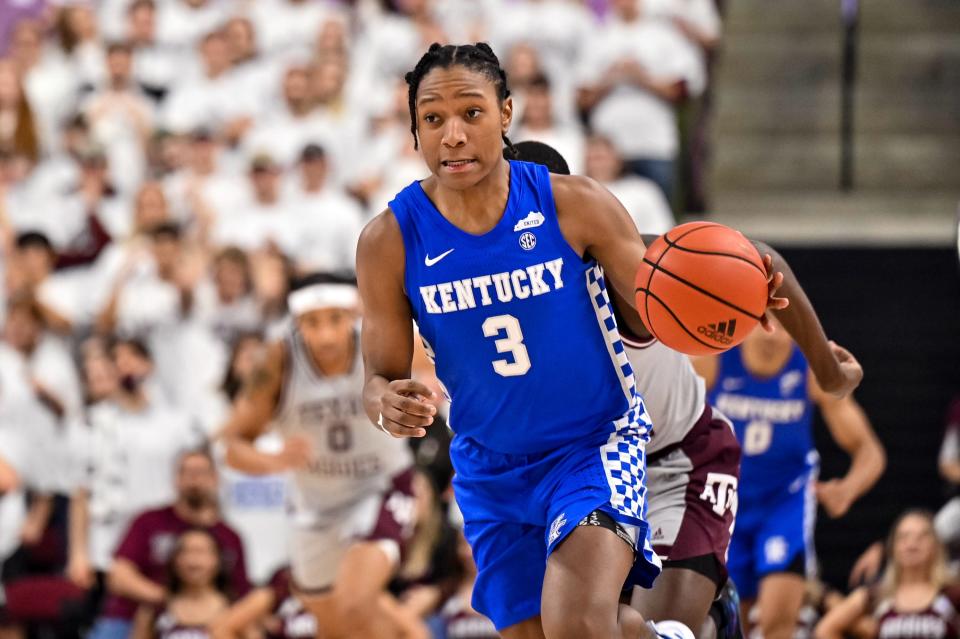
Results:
<point x="898" y="311"/>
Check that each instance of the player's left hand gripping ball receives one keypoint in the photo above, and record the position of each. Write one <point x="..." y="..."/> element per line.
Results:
<point x="404" y="409"/>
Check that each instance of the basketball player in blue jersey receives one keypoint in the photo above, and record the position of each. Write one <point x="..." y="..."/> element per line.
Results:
<point x="766" y="388"/>
<point x="693" y="455"/>
<point x="499" y="265"/>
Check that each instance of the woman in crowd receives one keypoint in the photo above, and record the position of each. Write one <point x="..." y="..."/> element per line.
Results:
<point x="197" y="587"/>
<point x="914" y="599"/>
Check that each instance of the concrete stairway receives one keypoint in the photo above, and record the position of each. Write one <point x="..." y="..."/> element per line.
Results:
<point x="777" y="121"/>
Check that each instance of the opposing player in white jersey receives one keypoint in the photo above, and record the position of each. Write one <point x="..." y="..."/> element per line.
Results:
<point x="693" y="457"/>
<point x="353" y="507"/>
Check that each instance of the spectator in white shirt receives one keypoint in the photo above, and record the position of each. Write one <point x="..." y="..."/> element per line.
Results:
<point x="288" y="26"/>
<point x="58" y="173"/>
<point x="538" y="121"/>
<point x="226" y="305"/>
<point x="253" y="75"/>
<point x="345" y="108"/>
<point x="155" y="65"/>
<point x="80" y="44"/>
<point x="642" y="198"/>
<point x="298" y="118"/>
<point x="203" y="186"/>
<point x="632" y="77"/>
<point x="395" y="38"/>
<point x="99" y="374"/>
<point x="86" y="220"/>
<point x="18" y="131"/>
<point x="389" y="161"/>
<point x="559" y="31"/>
<point x="182" y="23"/>
<point x="153" y="298"/>
<point x="46" y="363"/>
<point x="267" y="220"/>
<point x="120" y="117"/>
<point x="30" y="274"/>
<point x="699" y="23"/>
<point x="329" y="220"/>
<point x="48" y="82"/>
<point x="208" y="99"/>
<point x="130" y="450"/>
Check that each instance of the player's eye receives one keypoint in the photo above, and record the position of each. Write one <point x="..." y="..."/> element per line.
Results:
<point x="431" y="118"/>
<point x="474" y="113"/>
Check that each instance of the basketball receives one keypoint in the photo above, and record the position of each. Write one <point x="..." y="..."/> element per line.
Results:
<point x="702" y="288"/>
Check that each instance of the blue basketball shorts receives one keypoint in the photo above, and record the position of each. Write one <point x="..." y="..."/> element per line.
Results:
<point x="774" y="535"/>
<point x="518" y="508"/>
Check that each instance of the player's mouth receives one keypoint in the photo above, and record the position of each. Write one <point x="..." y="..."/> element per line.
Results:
<point x="457" y="166"/>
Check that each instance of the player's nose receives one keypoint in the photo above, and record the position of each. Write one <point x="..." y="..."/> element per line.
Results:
<point x="454" y="134"/>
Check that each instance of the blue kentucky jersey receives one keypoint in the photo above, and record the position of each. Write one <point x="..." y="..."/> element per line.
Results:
<point x="772" y="417"/>
<point x="519" y="326"/>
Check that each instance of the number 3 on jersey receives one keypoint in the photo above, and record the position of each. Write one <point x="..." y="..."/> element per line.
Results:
<point x="511" y="342"/>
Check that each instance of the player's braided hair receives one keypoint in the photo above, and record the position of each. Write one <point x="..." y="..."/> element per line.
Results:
<point x="476" y="57"/>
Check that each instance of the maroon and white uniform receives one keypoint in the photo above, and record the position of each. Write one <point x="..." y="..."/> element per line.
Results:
<point x="358" y="483"/>
<point x="460" y="621"/>
<point x="167" y="626"/>
<point x="939" y="620"/>
<point x="293" y="621"/>
<point x="693" y="458"/>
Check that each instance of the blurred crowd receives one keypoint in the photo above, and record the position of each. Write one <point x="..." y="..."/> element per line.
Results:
<point x="167" y="169"/>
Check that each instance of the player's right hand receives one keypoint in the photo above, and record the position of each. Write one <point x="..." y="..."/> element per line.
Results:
<point x="851" y="372"/>
<point x="405" y="410"/>
<point x="297" y="452"/>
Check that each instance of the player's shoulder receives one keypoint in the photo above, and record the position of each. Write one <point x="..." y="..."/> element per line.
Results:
<point x="380" y="243"/>
<point x="583" y="205"/>
<point x="382" y="233"/>
<point x="576" y="190"/>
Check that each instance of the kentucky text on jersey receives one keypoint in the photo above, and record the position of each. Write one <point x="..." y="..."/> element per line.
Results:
<point x="460" y="295"/>
<point x="773" y="410"/>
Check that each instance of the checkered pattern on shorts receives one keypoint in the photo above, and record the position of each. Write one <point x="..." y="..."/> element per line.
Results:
<point x="624" y="463"/>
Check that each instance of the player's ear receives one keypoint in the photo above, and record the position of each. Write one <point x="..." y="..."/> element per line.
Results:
<point x="506" y="115"/>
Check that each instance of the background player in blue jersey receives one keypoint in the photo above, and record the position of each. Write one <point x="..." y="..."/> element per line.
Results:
<point x="498" y="263"/>
<point x="767" y="390"/>
<point x="694" y="458"/>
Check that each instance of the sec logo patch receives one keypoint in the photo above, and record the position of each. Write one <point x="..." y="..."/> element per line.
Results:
<point x="527" y="241"/>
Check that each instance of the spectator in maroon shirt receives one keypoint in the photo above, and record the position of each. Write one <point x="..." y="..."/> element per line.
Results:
<point x="139" y="568"/>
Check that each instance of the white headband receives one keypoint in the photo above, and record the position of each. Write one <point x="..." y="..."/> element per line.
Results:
<point x="317" y="296"/>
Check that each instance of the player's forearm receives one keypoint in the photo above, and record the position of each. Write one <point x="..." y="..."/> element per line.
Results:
<point x="801" y="322"/>
<point x="243" y="456"/>
<point x="867" y="463"/>
<point x="126" y="581"/>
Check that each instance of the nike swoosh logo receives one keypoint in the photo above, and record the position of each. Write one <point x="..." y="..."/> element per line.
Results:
<point x="431" y="261"/>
